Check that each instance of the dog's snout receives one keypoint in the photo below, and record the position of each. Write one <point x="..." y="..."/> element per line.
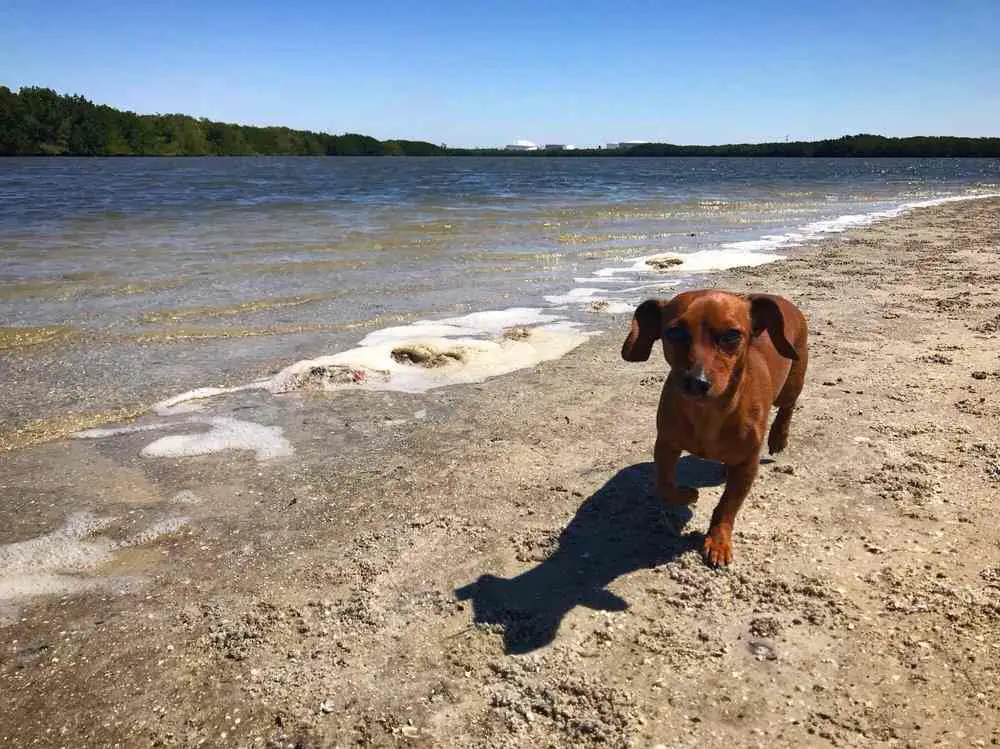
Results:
<point x="696" y="383"/>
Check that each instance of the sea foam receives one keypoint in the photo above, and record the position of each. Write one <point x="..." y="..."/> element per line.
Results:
<point x="431" y="354"/>
<point x="700" y="261"/>
<point x="746" y="253"/>
<point x="95" y="434"/>
<point x="60" y="562"/>
<point x="819" y="229"/>
<point x="224" y="433"/>
<point x="186" y="402"/>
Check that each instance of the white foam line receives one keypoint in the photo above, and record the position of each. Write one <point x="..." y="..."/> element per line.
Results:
<point x="466" y="349"/>
<point x="597" y="299"/>
<point x="750" y="252"/>
<point x="94" y="434"/>
<point x="175" y="404"/>
<point x="700" y="261"/>
<point x="457" y="360"/>
<point x="817" y="229"/>
<point x="596" y="279"/>
<point x="656" y="285"/>
<point x="584" y="294"/>
<point x="224" y="433"/>
<point x="489" y="323"/>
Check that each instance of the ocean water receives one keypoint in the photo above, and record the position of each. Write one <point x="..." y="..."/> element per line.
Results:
<point x="126" y="281"/>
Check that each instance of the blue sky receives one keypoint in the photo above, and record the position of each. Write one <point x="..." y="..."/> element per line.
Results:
<point x="485" y="74"/>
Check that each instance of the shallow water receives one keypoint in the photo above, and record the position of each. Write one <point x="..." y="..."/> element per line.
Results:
<point x="123" y="281"/>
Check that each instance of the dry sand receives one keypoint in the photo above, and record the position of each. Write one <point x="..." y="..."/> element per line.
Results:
<point x="485" y="566"/>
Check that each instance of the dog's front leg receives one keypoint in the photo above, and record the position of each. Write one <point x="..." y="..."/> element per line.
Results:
<point x="718" y="547"/>
<point x="666" y="456"/>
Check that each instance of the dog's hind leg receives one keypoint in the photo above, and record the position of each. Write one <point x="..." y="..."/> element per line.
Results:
<point x="777" y="438"/>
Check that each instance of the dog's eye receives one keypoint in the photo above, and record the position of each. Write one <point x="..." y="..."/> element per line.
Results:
<point x="730" y="338"/>
<point x="677" y="334"/>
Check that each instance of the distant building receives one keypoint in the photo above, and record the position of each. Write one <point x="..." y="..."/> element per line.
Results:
<point x="626" y="144"/>
<point x="559" y="147"/>
<point x="521" y="145"/>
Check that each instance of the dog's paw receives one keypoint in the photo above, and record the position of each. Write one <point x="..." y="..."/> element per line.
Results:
<point x="676" y="517"/>
<point x="678" y="495"/>
<point x="718" y="547"/>
<point x="777" y="440"/>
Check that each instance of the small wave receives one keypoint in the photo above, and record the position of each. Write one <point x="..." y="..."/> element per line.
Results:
<point x="824" y="227"/>
<point x="674" y="268"/>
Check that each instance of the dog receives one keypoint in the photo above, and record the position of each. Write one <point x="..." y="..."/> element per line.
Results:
<point x="731" y="357"/>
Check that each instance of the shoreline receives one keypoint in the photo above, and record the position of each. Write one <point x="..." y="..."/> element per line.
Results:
<point x="484" y="565"/>
<point x="569" y="308"/>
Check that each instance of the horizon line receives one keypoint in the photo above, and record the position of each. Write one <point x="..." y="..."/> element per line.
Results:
<point x="604" y="146"/>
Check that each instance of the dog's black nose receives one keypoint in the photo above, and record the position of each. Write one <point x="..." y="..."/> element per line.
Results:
<point x="697" y="383"/>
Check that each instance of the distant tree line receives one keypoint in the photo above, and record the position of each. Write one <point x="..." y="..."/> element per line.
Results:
<point x="868" y="146"/>
<point x="41" y="122"/>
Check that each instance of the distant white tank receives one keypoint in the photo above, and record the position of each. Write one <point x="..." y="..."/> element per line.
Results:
<point x="521" y="145"/>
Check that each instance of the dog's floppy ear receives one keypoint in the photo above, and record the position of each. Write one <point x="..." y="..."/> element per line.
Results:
<point x="647" y="322"/>
<point x="765" y="314"/>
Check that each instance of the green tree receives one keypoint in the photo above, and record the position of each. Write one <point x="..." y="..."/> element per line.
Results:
<point x="39" y="121"/>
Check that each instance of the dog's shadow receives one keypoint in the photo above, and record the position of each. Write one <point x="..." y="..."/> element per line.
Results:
<point x="621" y="528"/>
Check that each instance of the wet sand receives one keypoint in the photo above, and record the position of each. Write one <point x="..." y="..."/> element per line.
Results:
<point x="485" y="565"/>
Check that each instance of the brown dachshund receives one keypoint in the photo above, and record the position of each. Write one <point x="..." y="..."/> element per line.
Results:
<point x="731" y="356"/>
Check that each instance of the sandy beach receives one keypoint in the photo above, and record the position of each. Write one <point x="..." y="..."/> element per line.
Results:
<point x="486" y="566"/>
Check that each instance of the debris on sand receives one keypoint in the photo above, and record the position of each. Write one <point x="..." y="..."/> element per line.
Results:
<point x="578" y="710"/>
<point x="664" y="263"/>
<point x="766" y="627"/>
<point x="328" y="377"/>
<point x="518" y="333"/>
<point x="426" y="356"/>
<point x="953" y="303"/>
<point x="991" y="325"/>
<point x="935" y="359"/>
